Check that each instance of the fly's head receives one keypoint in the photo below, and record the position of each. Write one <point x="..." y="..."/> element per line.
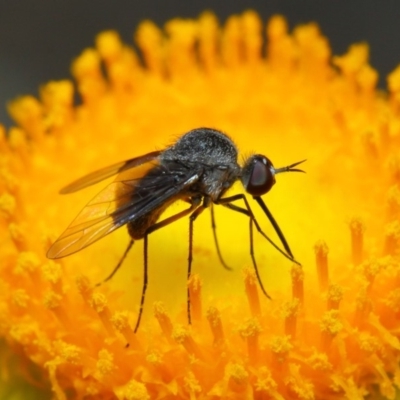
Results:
<point x="258" y="174"/>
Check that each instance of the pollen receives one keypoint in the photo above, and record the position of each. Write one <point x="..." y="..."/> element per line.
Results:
<point x="105" y="364"/>
<point x="330" y="322"/>
<point x="324" y="325"/>
<point x="133" y="390"/>
<point x="27" y="262"/>
<point x="20" y="298"/>
<point x="7" y="204"/>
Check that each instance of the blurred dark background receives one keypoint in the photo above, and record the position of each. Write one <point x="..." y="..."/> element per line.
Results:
<point x="38" y="39"/>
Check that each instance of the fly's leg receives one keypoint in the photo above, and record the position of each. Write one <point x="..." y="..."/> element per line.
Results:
<point x="251" y="220"/>
<point x="227" y="202"/>
<point x="214" y="229"/>
<point x="158" y="225"/>
<point x="247" y="211"/>
<point x="114" y="271"/>
<point x="145" y="280"/>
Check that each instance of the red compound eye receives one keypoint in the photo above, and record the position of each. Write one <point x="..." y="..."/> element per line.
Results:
<point x="258" y="175"/>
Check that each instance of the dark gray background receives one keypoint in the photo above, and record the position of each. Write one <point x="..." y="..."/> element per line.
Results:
<point x="39" y="38"/>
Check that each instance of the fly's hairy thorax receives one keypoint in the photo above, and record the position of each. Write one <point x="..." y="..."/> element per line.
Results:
<point x="211" y="152"/>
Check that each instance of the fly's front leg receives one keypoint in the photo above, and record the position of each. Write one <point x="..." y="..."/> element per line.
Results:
<point x="227" y="202"/>
<point x="247" y="211"/>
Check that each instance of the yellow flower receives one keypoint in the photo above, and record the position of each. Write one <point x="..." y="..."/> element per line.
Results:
<point x="332" y="327"/>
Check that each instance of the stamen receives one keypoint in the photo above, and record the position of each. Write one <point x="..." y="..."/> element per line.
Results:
<point x="251" y="287"/>
<point x="57" y="98"/>
<point x="120" y="321"/>
<point x="97" y="301"/>
<point x="91" y="83"/>
<point x="19" y="143"/>
<point x="370" y="144"/>
<point x="28" y="112"/>
<point x="8" y="205"/>
<point x="334" y="297"/>
<point x="321" y="258"/>
<point x="281" y="48"/>
<point x="109" y="46"/>
<point x="165" y="370"/>
<point x="194" y="285"/>
<point x="52" y="272"/>
<point x="393" y="202"/>
<point x="214" y="319"/>
<point x="149" y="38"/>
<point x="28" y="263"/>
<point x="181" y="58"/>
<point x="297" y="274"/>
<point x="370" y="269"/>
<point x="330" y="326"/>
<point x="58" y="391"/>
<point x="105" y="365"/>
<point x="182" y="336"/>
<point x="8" y="181"/>
<point x="252" y="37"/>
<point x="265" y="386"/>
<point x="363" y="308"/>
<point x="394" y="168"/>
<point x="237" y="377"/>
<point x="54" y="302"/>
<point x="392" y="237"/>
<point x="290" y="313"/>
<point x="121" y="62"/>
<point x="280" y="348"/>
<point x="18" y="236"/>
<point x="84" y="287"/>
<point x="357" y="241"/>
<point x="20" y="298"/>
<point x="250" y="331"/>
<point x="133" y="390"/>
<point x="209" y="36"/>
<point x="163" y="319"/>
<point x="231" y="43"/>
<point x="192" y="385"/>
<point x="392" y="301"/>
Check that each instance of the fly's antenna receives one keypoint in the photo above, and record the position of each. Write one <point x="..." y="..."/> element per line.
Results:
<point x="290" y="168"/>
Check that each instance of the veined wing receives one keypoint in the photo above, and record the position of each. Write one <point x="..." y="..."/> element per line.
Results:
<point x="107" y="172"/>
<point x="121" y="202"/>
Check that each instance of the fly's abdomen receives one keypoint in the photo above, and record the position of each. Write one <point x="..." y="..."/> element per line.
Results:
<point x="138" y="227"/>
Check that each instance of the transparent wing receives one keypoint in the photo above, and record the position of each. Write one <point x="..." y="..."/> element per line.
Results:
<point x="119" y="203"/>
<point x="109" y="171"/>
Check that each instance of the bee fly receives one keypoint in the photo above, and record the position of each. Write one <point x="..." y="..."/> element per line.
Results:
<point x="198" y="168"/>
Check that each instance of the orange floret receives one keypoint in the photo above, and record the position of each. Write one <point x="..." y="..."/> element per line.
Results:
<point x="331" y="329"/>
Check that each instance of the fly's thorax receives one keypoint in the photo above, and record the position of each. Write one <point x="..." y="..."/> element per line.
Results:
<point x="205" y="146"/>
